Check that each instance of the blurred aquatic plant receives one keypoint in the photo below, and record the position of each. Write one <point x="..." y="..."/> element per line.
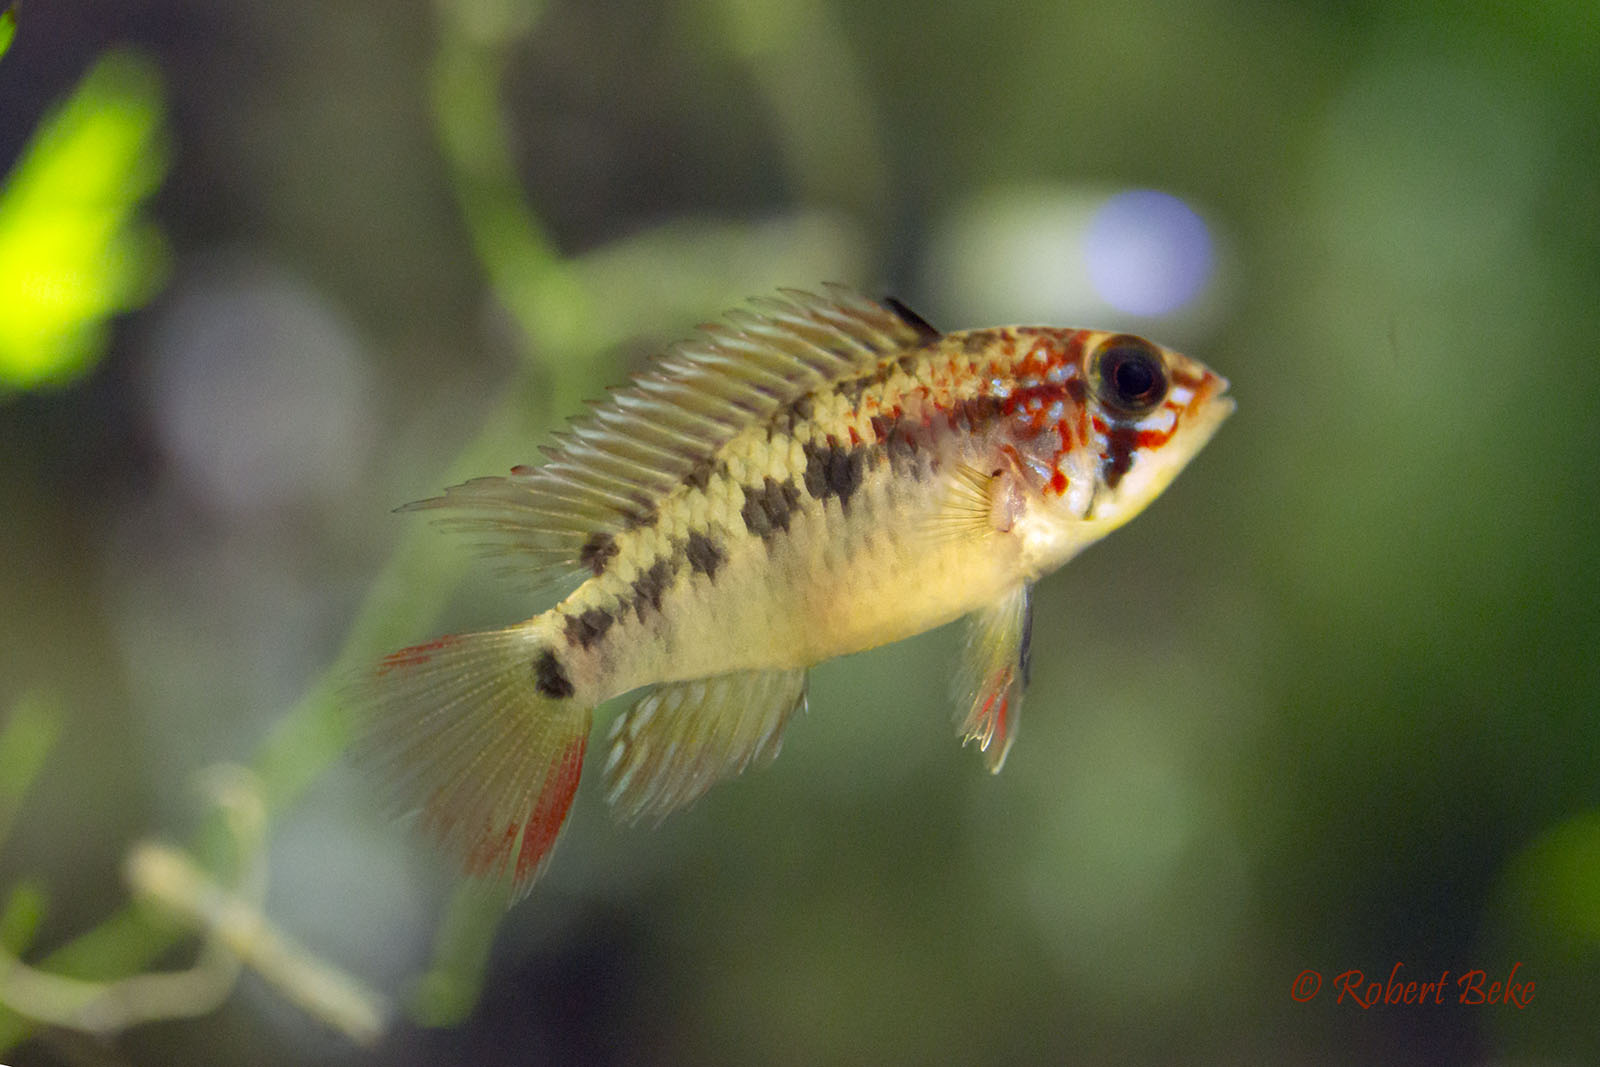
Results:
<point x="26" y="738"/>
<point x="235" y="933"/>
<point x="73" y="249"/>
<point x="8" y="27"/>
<point x="560" y="305"/>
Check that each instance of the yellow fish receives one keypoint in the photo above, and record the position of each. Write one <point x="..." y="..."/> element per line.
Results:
<point x="814" y="477"/>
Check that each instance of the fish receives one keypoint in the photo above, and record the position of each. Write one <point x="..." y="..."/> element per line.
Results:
<point x="813" y="476"/>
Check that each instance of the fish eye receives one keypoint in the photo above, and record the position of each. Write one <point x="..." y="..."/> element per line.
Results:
<point x="1131" y="375"/>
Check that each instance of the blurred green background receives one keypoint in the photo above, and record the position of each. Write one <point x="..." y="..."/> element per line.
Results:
<point x="268" y="270"/>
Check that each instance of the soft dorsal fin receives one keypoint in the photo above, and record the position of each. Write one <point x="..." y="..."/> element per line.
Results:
<point x="610" y="470"/>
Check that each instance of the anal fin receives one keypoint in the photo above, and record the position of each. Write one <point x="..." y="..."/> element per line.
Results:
<point x="684" y="737"/>
<point x="994" y="673"/>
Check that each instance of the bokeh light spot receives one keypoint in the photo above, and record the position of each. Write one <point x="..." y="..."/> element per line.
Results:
<point x="259" y="390"/>
<point x="1148" y="252"/>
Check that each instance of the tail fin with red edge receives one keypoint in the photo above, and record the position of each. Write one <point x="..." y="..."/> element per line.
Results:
<point x="475" y="733"/>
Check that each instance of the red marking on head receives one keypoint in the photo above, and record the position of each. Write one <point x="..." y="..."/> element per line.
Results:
<point x="1032" y="398"/>
<point x="416" y="655"/>
<point x="1058" y="482"/>
<point x="855" y="438"/>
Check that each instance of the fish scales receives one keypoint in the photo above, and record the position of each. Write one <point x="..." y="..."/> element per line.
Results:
<point x="826" y="477"/>
<point x="814" y="523"/>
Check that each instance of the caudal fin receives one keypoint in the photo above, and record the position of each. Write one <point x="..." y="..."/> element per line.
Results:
<point x="471" y="735"/>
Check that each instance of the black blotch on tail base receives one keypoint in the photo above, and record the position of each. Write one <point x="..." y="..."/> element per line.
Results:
<point x="550" y="678"/>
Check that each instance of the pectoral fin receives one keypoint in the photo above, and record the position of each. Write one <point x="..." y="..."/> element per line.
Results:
<point x="683" y="738"/>
<point x="994" y="672"/>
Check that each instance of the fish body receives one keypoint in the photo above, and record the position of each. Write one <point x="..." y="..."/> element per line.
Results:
<point x="820" y="477"/>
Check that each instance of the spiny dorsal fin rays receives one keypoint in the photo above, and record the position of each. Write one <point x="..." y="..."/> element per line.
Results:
<point x="994" y="674"/>
<point x="612" y="469"/>
<point x="683" y="738"/>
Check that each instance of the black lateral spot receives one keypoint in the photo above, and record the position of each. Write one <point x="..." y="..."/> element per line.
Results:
<point x="705" y="555"/>
<point x="768" y="507"/>
<point x="754" y="512"/>
<point x="1120" y="443"/>
<point x="584" y="630"/>
<point x="597" y="552"/>
<point x="925" y="332"/>
<point x="650" y="586"/>
<point x="816" y="470"/>
<point x="550" y="678"/>
<point x="844" y="472"/>
<point x="833" y="471"/>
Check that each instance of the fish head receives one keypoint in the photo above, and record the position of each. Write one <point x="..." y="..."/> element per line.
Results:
<point x="1138" y="413"/>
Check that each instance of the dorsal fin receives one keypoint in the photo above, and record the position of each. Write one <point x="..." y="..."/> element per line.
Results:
<point x="925" y="329"/>
<point x="610" y="471"/>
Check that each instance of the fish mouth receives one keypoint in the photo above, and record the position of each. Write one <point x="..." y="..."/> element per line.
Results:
<point x="1210" y="406"/>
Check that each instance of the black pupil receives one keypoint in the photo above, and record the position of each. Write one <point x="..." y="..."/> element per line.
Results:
<point x="1134" y="375"/>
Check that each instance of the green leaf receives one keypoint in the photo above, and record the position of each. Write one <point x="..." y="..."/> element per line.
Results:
<point x="8" y="27"/>
<point x="73" y="250"/>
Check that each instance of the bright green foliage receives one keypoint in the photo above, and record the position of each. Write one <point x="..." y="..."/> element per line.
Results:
<point x="8" y="27"/>
<point x="72" y="250"/>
